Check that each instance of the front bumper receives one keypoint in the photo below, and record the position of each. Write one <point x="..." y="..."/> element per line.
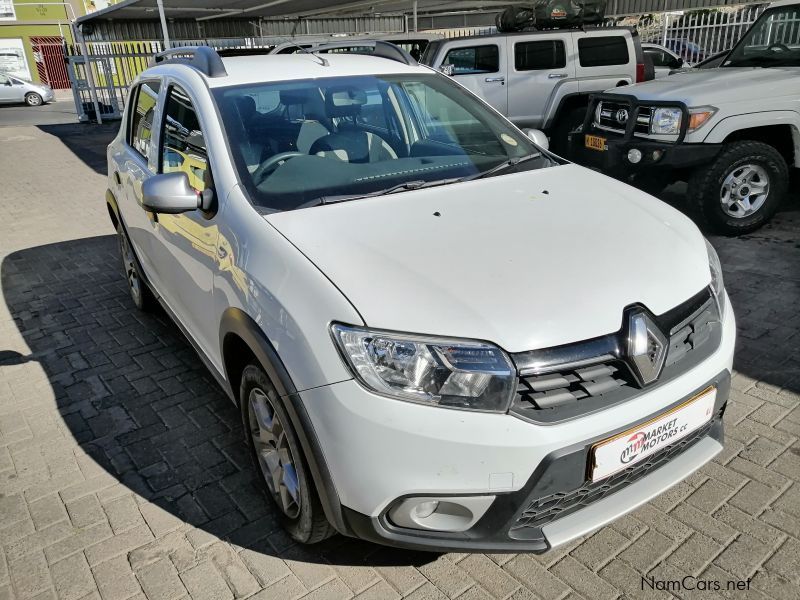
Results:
<point x="380" y="451"/>
<point x="664" y="156"/>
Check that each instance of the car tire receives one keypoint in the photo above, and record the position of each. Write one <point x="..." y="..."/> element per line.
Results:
<point x="567" y="122"/>
<point x="742" y="189"/>
<point x="279" y="459"/>
<point x="33" y="99"/>
<point x="140" y="293"/>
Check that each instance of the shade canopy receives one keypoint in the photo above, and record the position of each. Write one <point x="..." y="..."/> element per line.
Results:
<point x="208" y="10"/>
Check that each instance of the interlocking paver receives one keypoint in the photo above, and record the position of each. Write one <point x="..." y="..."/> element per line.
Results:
<point x="122" y="471"/>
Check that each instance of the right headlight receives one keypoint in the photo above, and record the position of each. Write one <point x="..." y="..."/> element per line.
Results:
<point x="666" y="121"/>
<point x="717" y="284"/>
<point x="440" y="372"/>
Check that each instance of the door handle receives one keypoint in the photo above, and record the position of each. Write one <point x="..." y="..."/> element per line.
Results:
<point x="495" y="79"/>
<point x="556" y="75"/>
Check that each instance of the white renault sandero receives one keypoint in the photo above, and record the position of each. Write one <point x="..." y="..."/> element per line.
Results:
<point x="440" y="335"/>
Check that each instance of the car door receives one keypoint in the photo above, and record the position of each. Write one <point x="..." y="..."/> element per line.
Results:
<point x="7" y="91"/>
<point x="480" y="67"/>
<point x="185" y="246"/>
<point x="605" y="59"/>
<point x="539" y="72"/>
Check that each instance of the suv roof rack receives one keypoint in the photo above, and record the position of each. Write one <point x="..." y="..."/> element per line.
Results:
<point x="203" y="58"/>
<point x="381" y="49"/>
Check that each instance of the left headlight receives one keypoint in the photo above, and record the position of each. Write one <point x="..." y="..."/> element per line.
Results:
<point x="666" y="121"/>
<point x="450" y="373"/>
<point x="717" y="284"/>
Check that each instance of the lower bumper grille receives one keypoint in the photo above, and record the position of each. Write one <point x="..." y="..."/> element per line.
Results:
<point x="544" y="510"/>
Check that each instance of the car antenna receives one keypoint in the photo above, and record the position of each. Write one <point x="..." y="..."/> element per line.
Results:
<point x="322" y="61"/>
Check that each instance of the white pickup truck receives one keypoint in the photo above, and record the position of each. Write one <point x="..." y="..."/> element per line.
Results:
<point x="732" y="132"/>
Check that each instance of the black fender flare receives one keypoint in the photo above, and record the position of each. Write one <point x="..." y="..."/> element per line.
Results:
<point x="113" y="208"/>
<point x="235" y="321"/>
<point x="564" y="102"/>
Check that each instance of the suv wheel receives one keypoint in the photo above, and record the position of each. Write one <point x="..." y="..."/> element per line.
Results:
<point x="743" y="187"/>
<point x="33" y="99"/>
<point x="280" y="459"/>
<point x="140" y="294"/>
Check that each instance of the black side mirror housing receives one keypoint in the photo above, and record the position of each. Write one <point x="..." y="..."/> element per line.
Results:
<point x="170" y="194"/>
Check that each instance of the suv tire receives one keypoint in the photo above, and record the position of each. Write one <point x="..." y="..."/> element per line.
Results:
<point x="139" y="291"/>
<point x="33" y="99"/>
<point x="742" y="188"/>
<point x="279" y="458"/>
<point x="567" y="122"/>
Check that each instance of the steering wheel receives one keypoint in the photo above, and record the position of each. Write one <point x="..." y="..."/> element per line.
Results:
<point x="777" y="46"/>
<point x="272" y="163"/>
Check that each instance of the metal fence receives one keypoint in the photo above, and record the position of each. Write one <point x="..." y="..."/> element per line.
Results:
<point x="695" y="35"/>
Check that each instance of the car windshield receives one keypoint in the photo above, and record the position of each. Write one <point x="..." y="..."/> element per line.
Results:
<point x="306" y="142"/>
<point x="773" y="41"/>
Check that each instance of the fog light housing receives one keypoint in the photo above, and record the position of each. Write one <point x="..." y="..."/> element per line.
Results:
<point x="634" y="155"/>
<point x="446" y="513"/>
<point x="656" y="155"/>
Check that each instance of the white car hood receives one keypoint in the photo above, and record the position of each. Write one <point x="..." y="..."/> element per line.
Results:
<point x="527" y="261"/>
<point x="701" y="87"/>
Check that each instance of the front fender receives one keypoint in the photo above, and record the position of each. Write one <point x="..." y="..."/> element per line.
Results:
<point x="734" y="123"/>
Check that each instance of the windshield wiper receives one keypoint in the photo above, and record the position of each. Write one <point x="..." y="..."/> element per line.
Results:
<point x="400" y="187"/>
<point x="506" y="164"/>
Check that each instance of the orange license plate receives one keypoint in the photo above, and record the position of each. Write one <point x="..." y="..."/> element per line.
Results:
<point x="595" y="142"/>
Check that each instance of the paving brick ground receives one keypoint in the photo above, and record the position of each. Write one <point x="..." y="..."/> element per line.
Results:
<point x="123" y="474"/>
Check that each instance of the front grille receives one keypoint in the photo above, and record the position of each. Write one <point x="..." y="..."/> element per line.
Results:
<point x="609" y="116"/>
<point x="571" y="385"/>
<point x="562" y="383"/>
<point x="546" y="509"/>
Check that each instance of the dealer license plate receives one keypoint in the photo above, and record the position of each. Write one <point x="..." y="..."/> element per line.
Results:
<point x="628" y="448"/>
<point x="595" y="142"/>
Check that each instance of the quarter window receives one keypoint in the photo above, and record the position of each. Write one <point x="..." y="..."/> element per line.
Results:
<point x="603" y="51"/>
<point x="540" y="55"/>
<point x="183" y="144"/>
<point x="141" y="130"/>
<point x="473" y="60"/>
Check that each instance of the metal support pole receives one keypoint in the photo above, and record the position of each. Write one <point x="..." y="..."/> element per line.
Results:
<point x="416" y="23"/>
<point x="78" y="36"/>
<point x="164" y="30"/>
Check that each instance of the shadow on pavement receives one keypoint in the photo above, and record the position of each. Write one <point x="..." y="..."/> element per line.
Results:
<point x="139" y="401"/>
<point x="86" y="141"/>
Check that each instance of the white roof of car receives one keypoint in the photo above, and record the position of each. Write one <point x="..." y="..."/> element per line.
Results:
<point x="243" y="70"/>
<point x="784" y="3"/>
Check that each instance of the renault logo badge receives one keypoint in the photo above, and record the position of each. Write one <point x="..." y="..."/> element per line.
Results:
<point x="647" y="347"/>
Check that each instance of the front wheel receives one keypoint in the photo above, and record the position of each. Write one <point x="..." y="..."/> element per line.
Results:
<point x="280" y="460"/>
<point x="742" y="189"/>
<point x="33" y="99"/>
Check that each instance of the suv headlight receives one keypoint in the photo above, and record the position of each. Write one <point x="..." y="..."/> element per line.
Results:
<point x="666" y="121"/>
<point x="451" y="373"/>
<point x="717" y="284"/>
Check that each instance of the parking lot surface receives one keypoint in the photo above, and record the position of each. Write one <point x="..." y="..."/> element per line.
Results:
<point x="123" y="472"/>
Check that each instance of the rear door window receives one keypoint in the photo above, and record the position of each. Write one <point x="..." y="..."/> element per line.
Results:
<point x="540" y="55"/>
<point x="473" y="60"/>
<point x="140" y="131"/>
<point x="603" y="51"/>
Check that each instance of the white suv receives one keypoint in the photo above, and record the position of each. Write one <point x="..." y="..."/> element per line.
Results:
<point x="440" y="335"/>
<point x="732" y="132"/>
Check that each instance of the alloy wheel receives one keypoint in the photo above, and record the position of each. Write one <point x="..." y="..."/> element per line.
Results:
<point x="744" y="190"/>
<point x="273" y="452"/>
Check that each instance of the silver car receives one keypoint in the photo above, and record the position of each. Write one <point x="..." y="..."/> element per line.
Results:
<point x="14" y="90"/>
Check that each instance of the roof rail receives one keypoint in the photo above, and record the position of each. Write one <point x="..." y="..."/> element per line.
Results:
<point x="381" y="49"/>
<point x="203" y="58"/>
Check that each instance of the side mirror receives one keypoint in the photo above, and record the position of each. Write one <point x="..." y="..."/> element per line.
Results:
<point x="8" y="82"/>
<point x="170" y="193"/>
<point x="678" y="62"/>
<point x="538" y="137"/>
